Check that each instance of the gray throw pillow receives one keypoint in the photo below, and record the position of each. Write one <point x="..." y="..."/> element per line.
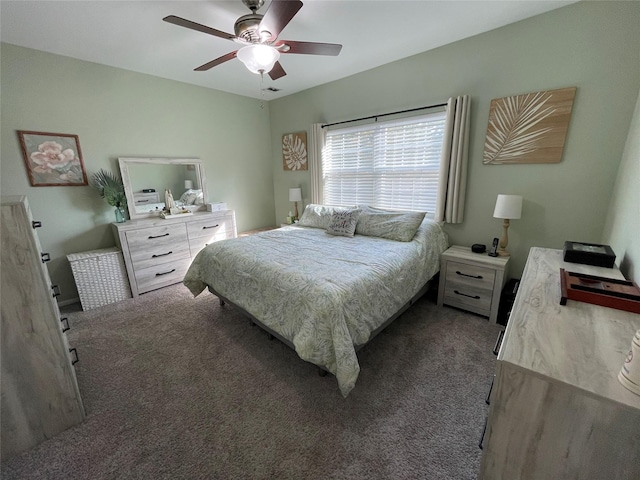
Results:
<point x="318" y="216"/>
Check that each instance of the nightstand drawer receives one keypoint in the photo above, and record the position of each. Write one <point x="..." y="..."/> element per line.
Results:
<point x="477" y="301"/>
<point x="472" y="276"/>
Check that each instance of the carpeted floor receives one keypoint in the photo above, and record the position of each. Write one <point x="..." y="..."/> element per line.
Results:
<point x="176" y="387"/>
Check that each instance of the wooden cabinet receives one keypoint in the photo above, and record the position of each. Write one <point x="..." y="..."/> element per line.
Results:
<point x="557" y="408"/>
<point x="472" y="281"/>
<point x="40" y="395"/>
<point x="157" y="252"/>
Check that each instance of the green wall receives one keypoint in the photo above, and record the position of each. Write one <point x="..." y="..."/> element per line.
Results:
<point x="120" y="113"/>
<point x="622" y="230"/>
<point x="590" y="45"/>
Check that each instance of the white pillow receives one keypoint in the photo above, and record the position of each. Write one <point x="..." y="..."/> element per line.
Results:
<point x="192" y="197"/>
<point x="393" y="225"/>
<point x="343" y="222"/>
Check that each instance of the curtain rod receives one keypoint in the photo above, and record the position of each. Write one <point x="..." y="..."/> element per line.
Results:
<point x="385" y="114"/>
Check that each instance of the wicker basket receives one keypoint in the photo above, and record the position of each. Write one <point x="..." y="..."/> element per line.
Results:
<point x="100" y="276"/>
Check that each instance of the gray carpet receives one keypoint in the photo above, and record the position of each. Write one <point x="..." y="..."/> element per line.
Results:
<point x="176" y="387"/>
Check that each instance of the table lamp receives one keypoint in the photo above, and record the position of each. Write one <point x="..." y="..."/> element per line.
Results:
<point x="188" y="184"/>
<point x="295" y="196"/>
<point x="508" y="207"/>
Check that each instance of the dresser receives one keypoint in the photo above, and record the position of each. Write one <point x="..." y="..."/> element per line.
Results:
<point x="471" y="281"/>
<point x="557" y="409"/>
<point x="157" y="252"/>
<point x="40" y="396"/>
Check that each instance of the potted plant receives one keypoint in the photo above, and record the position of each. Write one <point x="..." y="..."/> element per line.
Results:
<point x="111" y="188"/>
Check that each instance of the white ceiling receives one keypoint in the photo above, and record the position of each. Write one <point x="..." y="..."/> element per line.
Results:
<point x="132" y="35"/>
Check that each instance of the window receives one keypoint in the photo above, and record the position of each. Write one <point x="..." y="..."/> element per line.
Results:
<point x="391" y="164"/>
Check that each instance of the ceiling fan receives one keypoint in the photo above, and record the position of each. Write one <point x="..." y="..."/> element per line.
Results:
<point x="258" y="35"/>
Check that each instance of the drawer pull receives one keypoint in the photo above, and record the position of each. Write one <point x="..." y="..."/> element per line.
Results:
<point x="56" y="290"/>
<point x="151" y="237"/>
<point x="475" y="297"/>
<point x="165" y="273"/>
<point x="142" y="201"/>
<point x="488" y="399"/>
<point x="35" y="224"/>
<point x="162" y="254"/>
<point x="479" y="277"/>
<point x="484" y="431"/>
<point x="45" y="257"/>
<point x="64" y="321"/>
<point x="75" y="354"/>
<point x="213" y="226"/>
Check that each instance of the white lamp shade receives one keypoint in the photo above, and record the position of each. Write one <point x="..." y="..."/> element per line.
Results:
<point x="258" y="58"/>
<point x="295" y="194"/>
<point x="508" y="206"/>
<point x="188" y="184"/>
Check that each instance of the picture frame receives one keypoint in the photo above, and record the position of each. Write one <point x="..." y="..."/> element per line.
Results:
<point x="294" y="151"/>
<point x="529" y="128"/>
<point x="52" y="159"/>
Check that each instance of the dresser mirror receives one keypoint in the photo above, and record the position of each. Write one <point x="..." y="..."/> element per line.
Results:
<point x="146" y="179"/>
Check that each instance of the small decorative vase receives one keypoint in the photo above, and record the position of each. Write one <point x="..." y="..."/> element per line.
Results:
<point x="120" y="215"/>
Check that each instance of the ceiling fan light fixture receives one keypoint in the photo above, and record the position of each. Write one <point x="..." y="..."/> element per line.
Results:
<point x="258" y="58"/>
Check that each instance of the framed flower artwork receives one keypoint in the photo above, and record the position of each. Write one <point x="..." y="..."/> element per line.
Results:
<point x="294" y="151"/>
<point x="52" y="159"/>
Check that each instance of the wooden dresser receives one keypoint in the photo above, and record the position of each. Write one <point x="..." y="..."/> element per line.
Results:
<point x="557" y="408"/>
<point x="157" y="252"/>
<point x="40" y="395"/>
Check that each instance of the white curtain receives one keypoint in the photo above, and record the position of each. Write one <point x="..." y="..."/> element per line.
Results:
<point x="316" y="144"/>
<point x="453" y="166"/>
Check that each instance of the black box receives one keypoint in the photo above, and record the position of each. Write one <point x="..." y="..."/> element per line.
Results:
<point x="589" y="254"/>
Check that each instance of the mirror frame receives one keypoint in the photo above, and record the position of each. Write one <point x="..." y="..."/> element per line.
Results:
<point x="124" y="163"/>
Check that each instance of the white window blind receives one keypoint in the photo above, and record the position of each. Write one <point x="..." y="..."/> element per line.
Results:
<point x="392" y="164"/>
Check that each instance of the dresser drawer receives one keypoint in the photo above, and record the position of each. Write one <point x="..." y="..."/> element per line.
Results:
<point x="218" y="227"/>
<point x="154" y="246"/>
<point x="161" y="275"/>
<point x="199" y="243"/>
<point x="213" y="229"/>
<point x="146" y="198"/>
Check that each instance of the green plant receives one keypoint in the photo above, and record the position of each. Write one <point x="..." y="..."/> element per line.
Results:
<point x="110" y="188"/>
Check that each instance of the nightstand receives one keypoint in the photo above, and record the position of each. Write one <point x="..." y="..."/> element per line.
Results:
<point x="472" y="281"/>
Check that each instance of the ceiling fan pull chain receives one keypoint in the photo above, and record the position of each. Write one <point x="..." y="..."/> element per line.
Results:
<point x="262" y="89"/>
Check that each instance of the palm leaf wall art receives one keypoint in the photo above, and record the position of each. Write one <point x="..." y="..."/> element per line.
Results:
<point x="294" y="151"/>
<point x="529" y="128"/>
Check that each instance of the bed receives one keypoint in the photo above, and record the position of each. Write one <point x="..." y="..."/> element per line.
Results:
<point x="325" y="295"/>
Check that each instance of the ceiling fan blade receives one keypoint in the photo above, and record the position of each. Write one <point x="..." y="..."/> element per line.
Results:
<point x="310" y="48"/>
<point x="277" y="71"/>
<point x="182" y="22"/>
<point x="277" y="16"/>
<point x="217" y="61"/>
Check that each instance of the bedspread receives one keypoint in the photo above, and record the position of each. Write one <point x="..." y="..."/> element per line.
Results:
<point x="324" y="293"/>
